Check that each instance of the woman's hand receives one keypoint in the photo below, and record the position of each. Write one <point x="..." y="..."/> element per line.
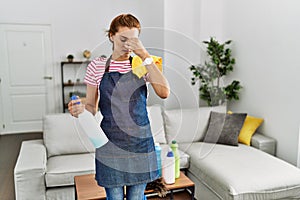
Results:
<point x="155" y="77"/>
<point x="76" y="107"/>
<point x="137" y="47"/>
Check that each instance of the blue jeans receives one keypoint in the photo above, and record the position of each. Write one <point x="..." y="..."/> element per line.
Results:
<point x="134" y="192"/>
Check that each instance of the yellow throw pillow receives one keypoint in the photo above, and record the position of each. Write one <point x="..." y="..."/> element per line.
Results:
<point x="140" y="70"/>
<point x="250" y="125"/>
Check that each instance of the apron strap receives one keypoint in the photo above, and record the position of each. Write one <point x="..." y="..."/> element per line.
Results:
<point x="107" y="64"/>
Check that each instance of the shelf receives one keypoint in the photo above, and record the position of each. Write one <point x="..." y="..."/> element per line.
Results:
<point x="73" y="84"/>
<point x="75" y="62"/>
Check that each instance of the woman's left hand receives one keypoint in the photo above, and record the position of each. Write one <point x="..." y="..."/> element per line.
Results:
<point x="137" y="47"/>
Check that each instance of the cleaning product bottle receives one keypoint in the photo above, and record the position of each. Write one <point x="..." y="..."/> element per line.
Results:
<point x="91" y="127"/>
<point x="174" y="147"/>
<point x="168" y="170"/>
<point x="158" y="156"/>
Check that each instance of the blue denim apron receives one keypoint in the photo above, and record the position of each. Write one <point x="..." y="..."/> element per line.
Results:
<point x="129" y="157"/>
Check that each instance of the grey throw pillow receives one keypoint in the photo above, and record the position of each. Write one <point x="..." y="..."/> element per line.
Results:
<point x="224" y="128"/>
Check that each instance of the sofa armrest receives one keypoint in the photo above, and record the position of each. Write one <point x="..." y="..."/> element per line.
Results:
<point x="29" y="171"/>
<point x="264" y="143"/>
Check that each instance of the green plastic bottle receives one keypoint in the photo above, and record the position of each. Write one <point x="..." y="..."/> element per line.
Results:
<point x="174" y="147"/>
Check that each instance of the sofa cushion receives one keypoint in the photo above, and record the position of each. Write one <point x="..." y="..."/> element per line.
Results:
<point x="62" y="169"/>
<point x="157" y="123"/>
<point x="188" y="125"/>
<point x="60" y="193"/>
<point x="250" y="125"/>
<point x="224" y="128"/>
<point x="242" y="172"/>
<point x="63" y="135"/>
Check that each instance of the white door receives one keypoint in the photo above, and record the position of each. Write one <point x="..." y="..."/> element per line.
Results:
<point x="26" y="77"/>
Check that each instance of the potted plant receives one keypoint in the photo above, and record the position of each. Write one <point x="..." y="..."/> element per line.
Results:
<point x="209" y="74"/>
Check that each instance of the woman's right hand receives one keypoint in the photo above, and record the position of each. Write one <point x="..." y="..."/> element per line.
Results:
<point x="76" y="107"/>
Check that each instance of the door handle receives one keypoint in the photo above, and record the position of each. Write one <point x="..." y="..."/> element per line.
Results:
<point x="48" y="77"/>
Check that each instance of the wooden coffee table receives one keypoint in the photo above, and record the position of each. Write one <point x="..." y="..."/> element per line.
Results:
<point x="86" y="187"/>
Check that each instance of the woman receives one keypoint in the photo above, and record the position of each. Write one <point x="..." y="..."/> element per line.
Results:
<point x="128" y="159"/>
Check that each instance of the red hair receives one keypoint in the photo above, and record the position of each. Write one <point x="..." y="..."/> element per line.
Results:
<point x="123" y="20"/>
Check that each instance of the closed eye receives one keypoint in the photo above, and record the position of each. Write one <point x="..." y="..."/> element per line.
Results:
<point x="123" y="39"/>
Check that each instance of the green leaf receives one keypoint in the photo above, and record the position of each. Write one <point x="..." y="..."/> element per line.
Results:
<point x="218" y="64"/>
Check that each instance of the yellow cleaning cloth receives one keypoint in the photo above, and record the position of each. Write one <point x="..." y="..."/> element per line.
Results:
<point x="139" y="70"/>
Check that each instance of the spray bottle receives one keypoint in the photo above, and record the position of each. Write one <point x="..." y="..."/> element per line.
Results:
<point x="91" y="127"/>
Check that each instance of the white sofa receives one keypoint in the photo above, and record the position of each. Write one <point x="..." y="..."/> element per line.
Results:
<point x="45" y="169"/>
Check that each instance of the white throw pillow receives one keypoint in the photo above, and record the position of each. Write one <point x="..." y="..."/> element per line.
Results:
<point x="188" y="125"/>
<point x="62" y="135"/>
<point x="157" y="123"/>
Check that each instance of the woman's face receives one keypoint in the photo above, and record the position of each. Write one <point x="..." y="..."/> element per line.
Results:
<point x="121" y="37"/>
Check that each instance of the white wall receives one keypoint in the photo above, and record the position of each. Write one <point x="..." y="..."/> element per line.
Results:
<point x="186" y="26"/>
<point x="266" y="47"/>
<point x="181" y="50"/>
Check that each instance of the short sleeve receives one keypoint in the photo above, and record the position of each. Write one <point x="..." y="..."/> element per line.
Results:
<point x="90" y="76"/>
<point x="94" y="72"/>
